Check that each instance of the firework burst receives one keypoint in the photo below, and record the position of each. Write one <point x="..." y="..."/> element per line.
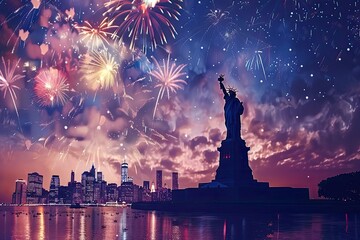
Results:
<point x="8" y="78"/>
<point x="169" y="76"/>
<point x="99" y="70"/>
<point x="96" y="36"/>
<point x="51" y="87"/>
<point x="144" y="20"/>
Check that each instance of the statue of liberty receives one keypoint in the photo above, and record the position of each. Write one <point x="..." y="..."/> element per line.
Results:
<point x="233" y="109"/>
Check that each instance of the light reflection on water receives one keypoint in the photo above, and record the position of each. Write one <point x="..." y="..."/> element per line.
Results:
<point x="59" y="222"/>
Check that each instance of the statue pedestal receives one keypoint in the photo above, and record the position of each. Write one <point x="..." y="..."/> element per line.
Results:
<point x="234" y="169"/>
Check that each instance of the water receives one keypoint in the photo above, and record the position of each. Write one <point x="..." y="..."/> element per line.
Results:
<point x="60" y="222"/>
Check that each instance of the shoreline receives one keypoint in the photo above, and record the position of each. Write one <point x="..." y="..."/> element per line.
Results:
<point x="64" y="205"/>
<point x="311" y="206"/>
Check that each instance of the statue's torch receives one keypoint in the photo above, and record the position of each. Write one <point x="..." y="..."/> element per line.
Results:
<point x="221" y="77"/>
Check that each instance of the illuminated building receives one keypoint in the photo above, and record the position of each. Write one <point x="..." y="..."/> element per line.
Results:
<point x="34" y="189"/>
<point x="145" y="195"/>
<point x="153" y="187"/>
<point x="124" y="172"/>
<point x="87" y="181"/>
<point x="19" y="196"/>
<point x="54" y="189"/>
<point x="77" y="193"/>
<point x="112" y="192"/>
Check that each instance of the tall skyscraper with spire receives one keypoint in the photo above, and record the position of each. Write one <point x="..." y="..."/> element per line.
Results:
<point x="124" y="172"/>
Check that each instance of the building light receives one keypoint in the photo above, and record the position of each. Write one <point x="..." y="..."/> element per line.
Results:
<point x="152" y="187"/>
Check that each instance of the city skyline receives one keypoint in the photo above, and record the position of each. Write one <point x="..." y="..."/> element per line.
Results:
<point x="69" y="98"/>
<point x="72" y="173"/>
<point x="33" y="191"/>
<point x="168" y="177"/>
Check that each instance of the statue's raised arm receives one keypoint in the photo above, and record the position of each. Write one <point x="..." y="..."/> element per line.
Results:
<point x="222" y="87"/>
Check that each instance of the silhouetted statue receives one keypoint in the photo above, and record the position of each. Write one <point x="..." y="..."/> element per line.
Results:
<point x="233" y="109"/>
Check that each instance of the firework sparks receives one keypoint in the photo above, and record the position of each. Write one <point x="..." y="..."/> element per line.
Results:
<point x="216" y="16"/>
<point x="8" y="79"/>
<point x="51" y="87"/>
<point x="144" y="20"/>
<point x="96" y="36"/>
<point x="169" y="76"/>
<point x="99" y="70"/>
<point x="255" y="62"/>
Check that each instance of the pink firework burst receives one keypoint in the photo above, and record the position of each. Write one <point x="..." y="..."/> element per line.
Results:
<point x="144" y="20"/>
<point x="169" y="76"/>
<point x="51" y="87"/>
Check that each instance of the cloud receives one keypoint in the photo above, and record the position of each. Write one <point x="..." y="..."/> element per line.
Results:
<point x="197" y="142"/>
<point x="210" y="156"/>
<point x="169" y="165"/>
<point x="175" y="152"/>
<point x="215" y="136"/>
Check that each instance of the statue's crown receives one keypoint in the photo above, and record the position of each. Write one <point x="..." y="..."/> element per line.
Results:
<point x="231" y="89"/>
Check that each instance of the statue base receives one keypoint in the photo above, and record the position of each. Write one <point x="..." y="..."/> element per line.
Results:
<point x="235" y="185"/>
<point x="234" y="169"/>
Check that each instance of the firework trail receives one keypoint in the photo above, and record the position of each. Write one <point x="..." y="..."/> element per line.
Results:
<point x="255" y="62"/>
<point x="27" y="14"/>
<point x="8" y="78"/>
<point x="144" y="20"/>
<point x="169" y="76"/>
<point x="99" y="70"/>
<point x="51" y="87"/>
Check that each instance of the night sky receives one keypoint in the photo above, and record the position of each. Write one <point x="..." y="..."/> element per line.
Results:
<point x="144" y="88"/>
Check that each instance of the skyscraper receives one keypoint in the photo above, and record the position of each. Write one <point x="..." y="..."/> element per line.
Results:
<point x="99" y="176"/>
<point x="124" y="172"/>
<point x="54" y="189"/>
<point x="88" y="181"/>
<point x="92" y="171"/>
<point x="112" y="193"/>
<point x="72" y="177"/>
<point x="77" y="196"/>
<point x="158" y="180"/>
<point x="19" y="196"/>
<point x="100" y="188"/>
<point x="34" y="188"/>
<point x="146" y="185"/>
<point x="175" y="180"/>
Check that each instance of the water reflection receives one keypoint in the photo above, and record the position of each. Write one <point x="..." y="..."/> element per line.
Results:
<point x="152" y="225"/>
<point x="53" y="222"/>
